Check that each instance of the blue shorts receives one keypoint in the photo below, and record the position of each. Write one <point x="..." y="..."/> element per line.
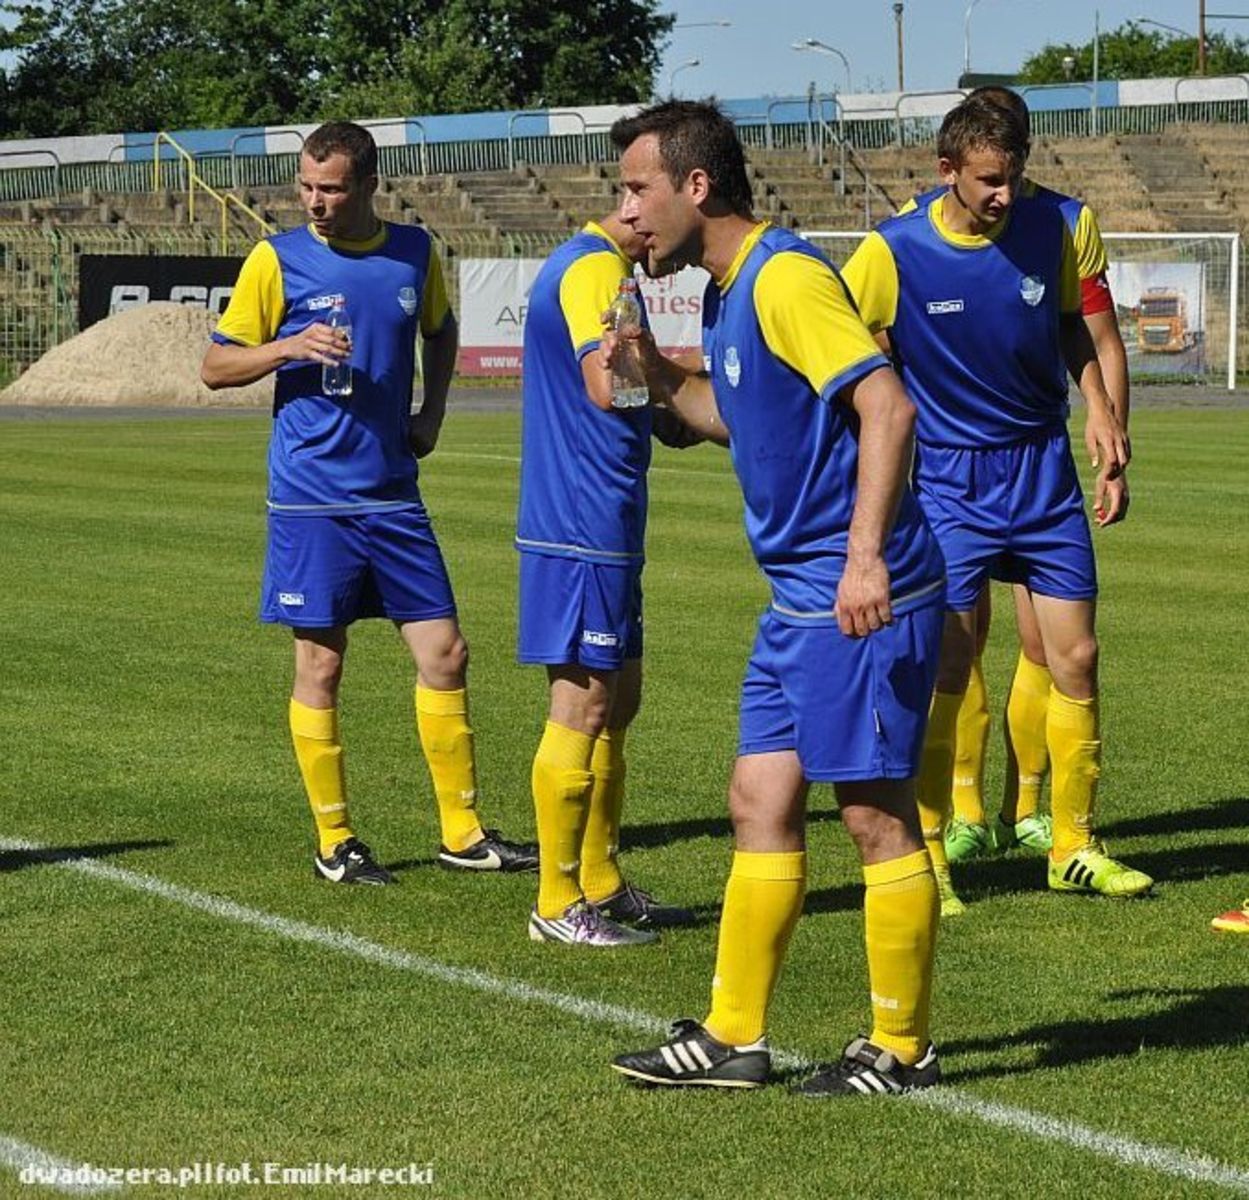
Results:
<point x="852" y="708"/>
<point x="1013" y="513"/>
<point x="323" y="571"/>
<point x="579" y="612"/>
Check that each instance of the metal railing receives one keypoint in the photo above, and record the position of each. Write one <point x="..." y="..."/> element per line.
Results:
<point x="195" y="180"/>
<point x="23" y="176"/>
<point x="535" y="113"/>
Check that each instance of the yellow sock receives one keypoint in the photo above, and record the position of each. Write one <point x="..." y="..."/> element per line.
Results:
<point x="900" y="910"/>
<point x="762" y="903"/>
<point x="1076" y="756"/>
<point x="600" y="876"/>
<point x="561" y="800"/>
<point x="447" y="742"/>
<point x="969" y="749"/>
<point x="1027" y="757"/>
<point x="320" y="756"/>
<point x="936" y="769"/>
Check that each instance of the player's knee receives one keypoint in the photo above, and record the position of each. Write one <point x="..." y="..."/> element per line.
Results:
<point x="1078" y="660"/>
<point x="447" y="666"/>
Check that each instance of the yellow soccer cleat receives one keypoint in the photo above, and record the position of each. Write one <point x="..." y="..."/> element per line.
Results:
<point x="1091" y="869"/>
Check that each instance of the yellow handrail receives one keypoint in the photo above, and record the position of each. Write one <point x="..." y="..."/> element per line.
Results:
<point x="194" y="180"/>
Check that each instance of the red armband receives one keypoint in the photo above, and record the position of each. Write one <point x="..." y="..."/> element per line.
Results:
<point x="1095" y="295"/>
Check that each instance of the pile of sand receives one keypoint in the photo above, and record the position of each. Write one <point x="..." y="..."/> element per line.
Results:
<point x="148" y="356"/>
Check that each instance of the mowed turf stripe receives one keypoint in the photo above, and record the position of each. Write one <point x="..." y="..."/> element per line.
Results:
<point x="1163" y="1160"/>
<point x="50" y="1171"/>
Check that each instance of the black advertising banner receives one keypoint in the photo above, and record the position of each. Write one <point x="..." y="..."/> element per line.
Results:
<point x="110" y="283"/>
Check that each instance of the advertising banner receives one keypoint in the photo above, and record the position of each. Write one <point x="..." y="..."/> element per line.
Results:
<point x="110" y="283"/>
<point x="1161" y="308"/>
<point x="494" y="297"/>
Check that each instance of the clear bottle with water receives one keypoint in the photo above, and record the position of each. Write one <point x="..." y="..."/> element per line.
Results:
<point x="336" y="377"/>
<point x="627" y="388"/>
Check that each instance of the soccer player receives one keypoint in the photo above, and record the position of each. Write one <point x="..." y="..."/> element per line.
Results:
<point x="348" y="534"/>
<point x="837" y="686"/>
<point x="580" y="532"/>
<point x="978" y="297"/>
<point x="1235" y="921"/>
<point x="1020" y="821"/>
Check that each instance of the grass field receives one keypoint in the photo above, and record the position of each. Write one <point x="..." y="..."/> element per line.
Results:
<point x="177" y="989"/>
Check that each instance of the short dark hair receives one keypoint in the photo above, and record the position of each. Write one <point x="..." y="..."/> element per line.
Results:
<point x="980" y="124"/>
<point x="1007" y="98"/>
<point x="693" y="135"/>
<point x="344" y="137"/>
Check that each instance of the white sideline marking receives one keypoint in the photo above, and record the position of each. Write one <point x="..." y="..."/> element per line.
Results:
<point x="1164" y="1160"/>
<point x="21" y="1156"/>
<point x="1194" y="1167"/>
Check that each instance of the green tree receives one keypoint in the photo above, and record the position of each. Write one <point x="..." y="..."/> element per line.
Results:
<point x="98" y="66"/>
<point x="1134" y="52"/>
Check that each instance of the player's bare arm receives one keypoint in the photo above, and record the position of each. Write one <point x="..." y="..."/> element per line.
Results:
<point x="1104" y="437"/>
<point x="236" y="366"/>
<point x="438" y="354"/>
<point x="1113" y="359"/>
<point x="886" y="442"/>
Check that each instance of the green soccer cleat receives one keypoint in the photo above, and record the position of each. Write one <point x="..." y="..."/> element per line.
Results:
<point x="965" y="840"/>
<point x="1034" y="833"/>
<point x="951" y="905"/>
<point x="1091" y="869"/>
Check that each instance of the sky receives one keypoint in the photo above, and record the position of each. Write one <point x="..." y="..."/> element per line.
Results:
<point x="753" y="55"/>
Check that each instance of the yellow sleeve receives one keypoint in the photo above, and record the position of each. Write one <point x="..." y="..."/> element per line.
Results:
<point x="434" y="303"/>
<point x="908" y="206"/>
<point x="1090" y="250"/>
<point x="258" y="303"/>
<point x="586" y="290"/>
<point x="872" y="277"/>
<point x="1069" y="296"/>
<point x="809" y="322"/>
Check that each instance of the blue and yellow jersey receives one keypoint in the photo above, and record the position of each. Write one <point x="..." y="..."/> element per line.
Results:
<point x="973" y="320"/>
<point x="781" y="339"/>
<point x="1091" y="261"/>
<point x="582" y="470"/>
<point x="341" y="454"/>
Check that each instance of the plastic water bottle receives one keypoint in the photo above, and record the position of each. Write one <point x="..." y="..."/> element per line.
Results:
<point x="336" y="378"/>
<point x="626" y="313"/>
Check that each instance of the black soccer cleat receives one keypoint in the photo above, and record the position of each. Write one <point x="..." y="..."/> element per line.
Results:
<point x="865" y="1069"/>
<point x="693" y="1058"/>
<point x="492" y="853"/>
<point x="632" y="906"/>
<point x="351" y="862"/>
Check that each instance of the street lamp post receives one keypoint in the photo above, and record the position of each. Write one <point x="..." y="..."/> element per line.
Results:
<point x="718" y="24"/>
<point x="1201" y="32"/>
<point x="824" y="48"/>
<point x="967" y="37"/>
<point x="897" y="16"/>
<point x="689" y="62"/>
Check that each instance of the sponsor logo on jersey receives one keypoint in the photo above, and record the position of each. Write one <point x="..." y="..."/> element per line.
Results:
<point x="319" y="302"/>
<point x="407" y="300"/>
<point x="592" y="637"/>
<point x="1032" y="290"/>
<point x="937" y="307"/>
<point x="291" y="599"/>
<point x="732" y="366"/>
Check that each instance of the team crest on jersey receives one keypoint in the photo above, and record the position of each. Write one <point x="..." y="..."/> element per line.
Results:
<point x="1032" y="290"/>
<point x="407" y="300"/>
<point x="732" y="366"/>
